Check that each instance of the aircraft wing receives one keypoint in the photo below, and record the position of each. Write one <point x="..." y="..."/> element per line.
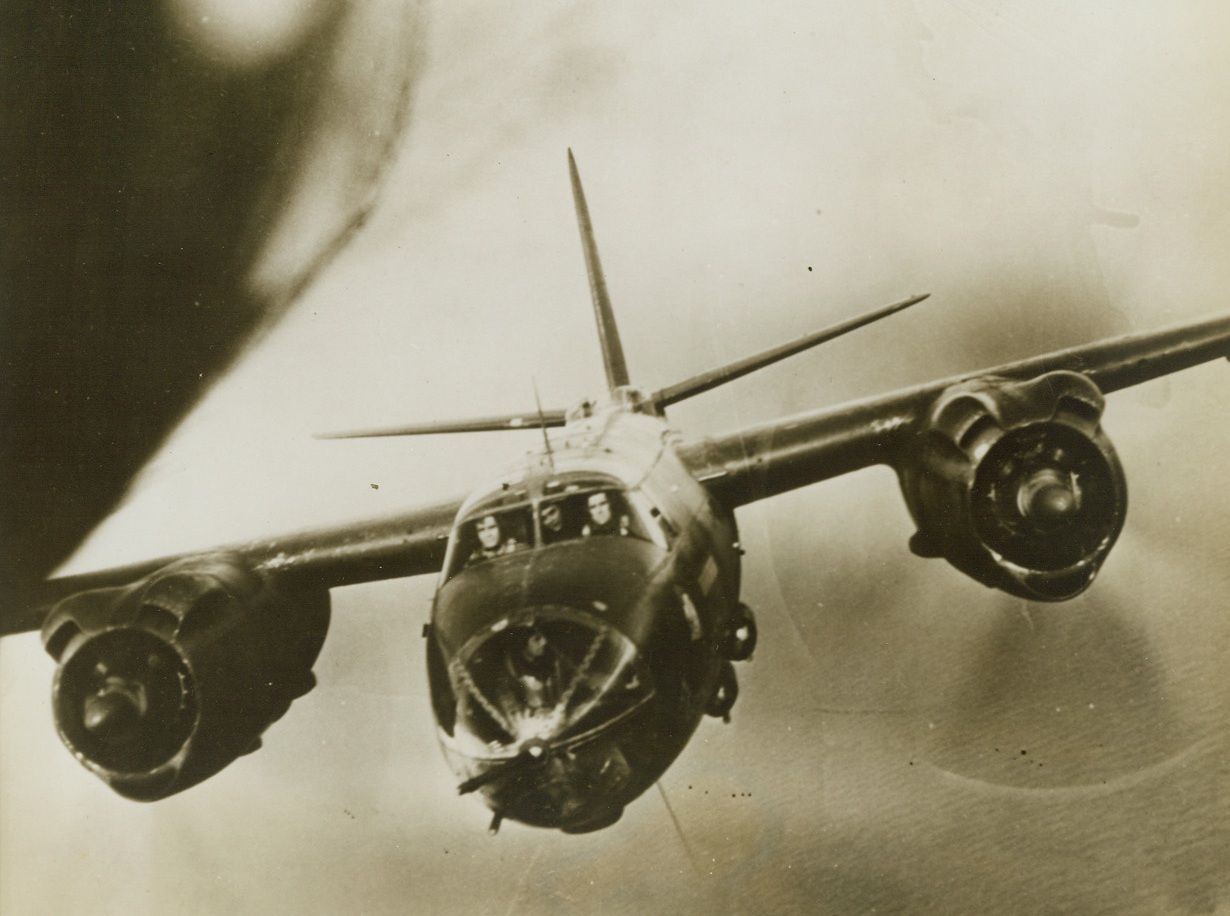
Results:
<point x="770" y="458"/>
<point x="543" y="419"/>
<point x="409" y="543"/>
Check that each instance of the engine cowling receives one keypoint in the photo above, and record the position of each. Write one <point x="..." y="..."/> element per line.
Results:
<point x="1015" y="484"/>
<point x="162" y="683"/>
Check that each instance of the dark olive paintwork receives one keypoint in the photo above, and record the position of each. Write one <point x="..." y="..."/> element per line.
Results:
<point x="670" y="596"/>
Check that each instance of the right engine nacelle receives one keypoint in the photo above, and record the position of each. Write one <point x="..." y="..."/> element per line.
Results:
<point x="164" y="682"/>
<point x="1015" y="484"/>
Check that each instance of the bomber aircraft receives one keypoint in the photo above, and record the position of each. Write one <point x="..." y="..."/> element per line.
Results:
<point x="588" y="611"/>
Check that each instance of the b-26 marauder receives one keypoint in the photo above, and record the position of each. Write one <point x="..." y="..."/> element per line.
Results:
<point x="588" y="614"/>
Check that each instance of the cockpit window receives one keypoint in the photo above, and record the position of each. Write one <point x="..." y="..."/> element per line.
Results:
<point x="491" y="534"/>
<point x="580" y="509"/>
<point x="589" y="513"/>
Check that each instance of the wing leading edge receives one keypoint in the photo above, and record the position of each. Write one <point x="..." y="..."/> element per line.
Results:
<point x="771" y="458"/>
<point x="406" y="544"/>
<point x="740" y="467"/>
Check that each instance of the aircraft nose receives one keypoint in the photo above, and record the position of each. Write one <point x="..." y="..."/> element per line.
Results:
<point x="536" y="696"/>
<point x="547" y="673"/>
<point x="574" y="787"/>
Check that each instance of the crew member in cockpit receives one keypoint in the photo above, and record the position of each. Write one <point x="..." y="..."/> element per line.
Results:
<point x="602" y="518"/>
<point x="491" y="542"/>
<point x="552" y="523"/>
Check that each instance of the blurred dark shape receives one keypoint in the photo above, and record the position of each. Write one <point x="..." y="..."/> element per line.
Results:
<point x="173" y="175"/>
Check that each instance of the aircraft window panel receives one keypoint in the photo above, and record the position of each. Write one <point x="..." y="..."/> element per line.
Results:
<point x="592" y="513"/>
<point x="606" y="513"/>
<point x="491" y="534"/>
<point x="541" y="678"/>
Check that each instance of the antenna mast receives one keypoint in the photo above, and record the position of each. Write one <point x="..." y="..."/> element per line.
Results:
<point x="542" y="424"/>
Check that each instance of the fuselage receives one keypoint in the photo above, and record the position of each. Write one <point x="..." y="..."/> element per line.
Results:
<point x="576" y="635"/>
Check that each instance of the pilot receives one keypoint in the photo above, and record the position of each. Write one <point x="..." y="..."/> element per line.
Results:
<point x="602" y="519"/>
<point x="491" y="543"/>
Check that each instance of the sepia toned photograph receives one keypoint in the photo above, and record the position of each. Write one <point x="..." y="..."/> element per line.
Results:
<point x="582" y="458"/>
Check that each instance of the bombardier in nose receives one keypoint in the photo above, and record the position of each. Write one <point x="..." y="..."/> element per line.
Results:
<point x="537" y="694"/>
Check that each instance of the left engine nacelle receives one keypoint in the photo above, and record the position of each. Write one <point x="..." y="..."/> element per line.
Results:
<point x="1015" y="484"/>
<point x="164" y="682"/>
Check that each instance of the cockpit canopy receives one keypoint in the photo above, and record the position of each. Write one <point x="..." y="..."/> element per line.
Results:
<point x="566" y="508"/>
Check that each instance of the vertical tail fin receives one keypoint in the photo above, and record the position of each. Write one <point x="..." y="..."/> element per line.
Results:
<point x="608" y="333"/>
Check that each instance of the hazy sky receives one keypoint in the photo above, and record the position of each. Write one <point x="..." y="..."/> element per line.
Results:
<point x="906" y="740"/>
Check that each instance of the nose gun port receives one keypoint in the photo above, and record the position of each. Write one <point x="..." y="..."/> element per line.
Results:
<point x="533" y="753"/>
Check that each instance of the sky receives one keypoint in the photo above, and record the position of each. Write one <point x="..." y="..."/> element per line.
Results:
<point x="906" y="740"/>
